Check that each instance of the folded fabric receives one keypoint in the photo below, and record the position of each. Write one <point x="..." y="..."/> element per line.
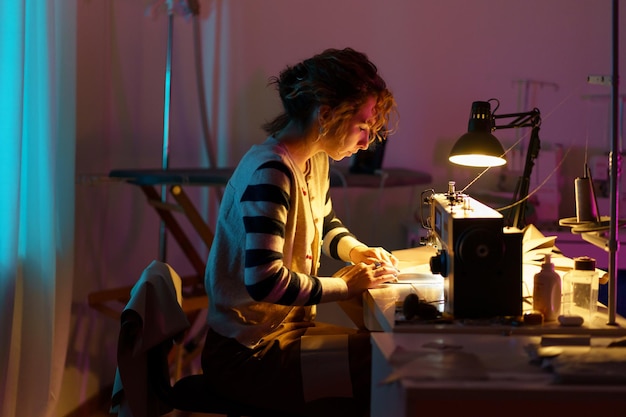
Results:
<point x="152" y="315"/>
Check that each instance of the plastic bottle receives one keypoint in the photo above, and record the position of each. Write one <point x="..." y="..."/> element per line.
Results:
<point x="580" y="289"/>
<point x="547" y="291"/>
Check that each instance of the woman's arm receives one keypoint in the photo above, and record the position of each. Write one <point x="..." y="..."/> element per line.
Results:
<point x="265" y="204"/>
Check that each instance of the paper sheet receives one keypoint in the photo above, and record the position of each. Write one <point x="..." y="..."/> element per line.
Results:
<point x="535" y="246"/>
<point x="435" y="365"/>
<point x="596" y="366"/>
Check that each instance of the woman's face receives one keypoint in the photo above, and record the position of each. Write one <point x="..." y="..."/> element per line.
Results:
<point x="358" y="133"/>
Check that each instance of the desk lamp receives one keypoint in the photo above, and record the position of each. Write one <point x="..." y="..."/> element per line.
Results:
<point x="480" y="148"/>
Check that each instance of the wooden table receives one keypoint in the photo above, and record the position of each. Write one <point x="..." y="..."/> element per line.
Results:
<point x="480" y="368"/>
<point x="381" y="306"/>
<point x="487" y="375"/>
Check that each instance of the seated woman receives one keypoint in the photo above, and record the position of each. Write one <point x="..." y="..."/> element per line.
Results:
<point x="276" y="218"/>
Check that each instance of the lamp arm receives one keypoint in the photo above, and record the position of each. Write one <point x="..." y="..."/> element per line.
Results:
<point x="525" y="119"/>
<point x="518" y="213"/>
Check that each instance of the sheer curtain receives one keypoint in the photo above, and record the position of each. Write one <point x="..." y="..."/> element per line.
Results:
<point x="37" y="117"/>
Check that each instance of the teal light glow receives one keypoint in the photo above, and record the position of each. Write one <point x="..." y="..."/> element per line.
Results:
<point x="36" y="194"/>
<point x="12" y="83"/>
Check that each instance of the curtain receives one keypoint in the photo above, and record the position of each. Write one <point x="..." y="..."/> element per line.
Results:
<point x="37" y="116"/>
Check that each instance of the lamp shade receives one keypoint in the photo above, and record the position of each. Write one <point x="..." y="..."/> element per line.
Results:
<point x="478" y="147"/>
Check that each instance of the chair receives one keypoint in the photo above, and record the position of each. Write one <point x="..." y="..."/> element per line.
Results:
<point x="152" y="322"/>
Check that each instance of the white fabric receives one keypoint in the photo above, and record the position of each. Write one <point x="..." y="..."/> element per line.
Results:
<point x="37" y="116"/>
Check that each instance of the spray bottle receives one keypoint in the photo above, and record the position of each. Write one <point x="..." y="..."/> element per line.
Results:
<point x="547" y="291"/>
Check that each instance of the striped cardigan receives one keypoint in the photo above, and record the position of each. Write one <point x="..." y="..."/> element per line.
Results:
<point x="273" y="224"/>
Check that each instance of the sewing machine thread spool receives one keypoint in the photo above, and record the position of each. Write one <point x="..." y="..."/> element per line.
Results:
<point x="586" y="206"/>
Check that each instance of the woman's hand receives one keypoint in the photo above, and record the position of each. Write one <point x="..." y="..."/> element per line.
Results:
<point x="363" y="276"/>
<point x="369" y="255"/>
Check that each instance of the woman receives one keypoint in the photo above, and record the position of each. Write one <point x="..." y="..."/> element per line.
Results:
<point x="276" y="218"/>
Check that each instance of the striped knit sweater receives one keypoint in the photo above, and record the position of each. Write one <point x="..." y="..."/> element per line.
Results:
<point x="273" y="224"/>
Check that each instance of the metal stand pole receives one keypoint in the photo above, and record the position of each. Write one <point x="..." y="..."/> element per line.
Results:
<point x="614" y="161"/>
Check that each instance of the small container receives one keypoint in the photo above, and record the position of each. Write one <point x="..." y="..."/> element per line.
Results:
<point x="580" y="289"/>
<point x="547" y="291"/>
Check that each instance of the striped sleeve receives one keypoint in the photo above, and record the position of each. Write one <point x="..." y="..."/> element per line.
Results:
<point x="337" y="239"/>
<point x="265" y="203"/>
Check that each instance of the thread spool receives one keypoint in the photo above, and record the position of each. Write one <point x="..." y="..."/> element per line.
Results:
<point x="586" y="206"/>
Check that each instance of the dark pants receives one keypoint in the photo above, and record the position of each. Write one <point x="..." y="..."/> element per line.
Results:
<point x="271" y="376"/>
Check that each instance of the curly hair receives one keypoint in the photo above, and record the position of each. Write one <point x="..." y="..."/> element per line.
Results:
<point x="342" y="79"/>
